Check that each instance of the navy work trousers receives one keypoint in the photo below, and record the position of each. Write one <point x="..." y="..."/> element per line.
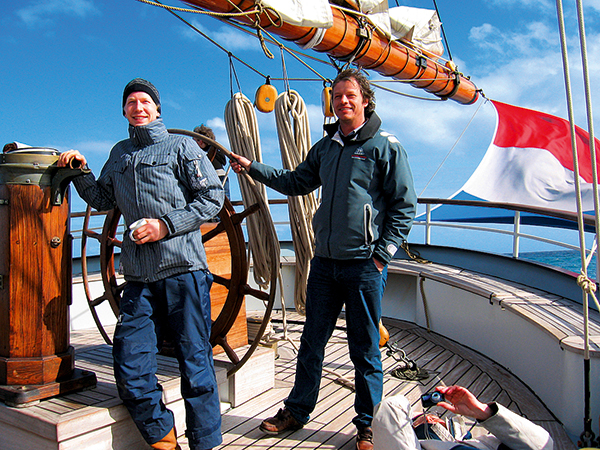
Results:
<point x="332" y="284"/>
<point x="180" y="304"/>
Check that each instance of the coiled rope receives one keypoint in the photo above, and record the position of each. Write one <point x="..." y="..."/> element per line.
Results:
<point x="242" y="130"/>
<point x="293" y="130"/>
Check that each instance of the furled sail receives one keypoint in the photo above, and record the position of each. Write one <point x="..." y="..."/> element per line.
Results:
<point x="352" y="37"/>
<point x="419" y="26"/>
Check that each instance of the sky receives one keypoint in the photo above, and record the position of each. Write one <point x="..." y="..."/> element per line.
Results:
<point x="66" y="62"/>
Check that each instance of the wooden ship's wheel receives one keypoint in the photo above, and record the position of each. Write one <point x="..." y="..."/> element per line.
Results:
<point x="228" y="262"/>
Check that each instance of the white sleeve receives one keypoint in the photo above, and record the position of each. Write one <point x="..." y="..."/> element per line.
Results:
<point x="517" y="432"/>
<point x="392" y="425"/>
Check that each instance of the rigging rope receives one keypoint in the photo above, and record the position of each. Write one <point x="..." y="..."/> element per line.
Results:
<point x="452" y="148"/>
<point x="417" y="97"/>
<point x="200" y="11"/>
<point x="227" y="18"/>
<point x="293" y="130"/>
<point x="242" y="130"/>
<point x="269" y="39"/>
<point x="587" y="436"/>
<point x="437" y="11"/>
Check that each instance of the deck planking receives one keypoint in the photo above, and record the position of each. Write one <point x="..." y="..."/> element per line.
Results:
<point x="330" y="427"/>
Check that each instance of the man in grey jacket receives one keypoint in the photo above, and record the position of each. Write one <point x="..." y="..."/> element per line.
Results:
<point x="393" y="427"/>
<point x="367" y="207"/>
<point x="169" y="185"/>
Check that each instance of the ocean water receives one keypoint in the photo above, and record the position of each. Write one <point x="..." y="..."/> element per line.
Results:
<point x="565" y="259"/>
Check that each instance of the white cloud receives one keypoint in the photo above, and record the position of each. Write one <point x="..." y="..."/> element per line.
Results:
<point x="228" y="37"/>
<point x="95" y="152"/>
<point x="526" y="68"/>
<point x="216" y="123"/>
<point x="171" y="104"/>
<point x="218" y="126"/>
<point x="42" y="12"/>
<point x="594" y="4"/>
<point x="535" y="37"/>
<point x="92" y="147"/>
<point x="521" y="68"/>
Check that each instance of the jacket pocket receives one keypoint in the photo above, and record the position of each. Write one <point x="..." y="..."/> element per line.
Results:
<point x="156" y="170"/>
<point x="367" y="216"/>
<point x="154" y="160"/>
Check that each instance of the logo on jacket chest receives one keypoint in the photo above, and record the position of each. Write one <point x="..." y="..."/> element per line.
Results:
<point x="359" y="153"/>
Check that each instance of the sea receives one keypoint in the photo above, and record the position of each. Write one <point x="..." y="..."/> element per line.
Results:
<point x="565" y="259"/>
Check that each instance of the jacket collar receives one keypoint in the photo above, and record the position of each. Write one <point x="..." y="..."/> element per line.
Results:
<point x="368" y="130"/>
<point x="145" y="135"/>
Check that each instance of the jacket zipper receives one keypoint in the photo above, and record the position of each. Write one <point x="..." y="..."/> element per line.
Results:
<point x="337" y="166"/>
<point x="368" y="229"/>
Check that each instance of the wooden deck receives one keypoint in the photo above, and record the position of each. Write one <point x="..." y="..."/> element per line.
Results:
<point x="330" y="426"/>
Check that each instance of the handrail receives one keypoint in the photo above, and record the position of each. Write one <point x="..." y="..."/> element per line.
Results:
<point x="515" y="232"/>
<point x="556" y="213"/>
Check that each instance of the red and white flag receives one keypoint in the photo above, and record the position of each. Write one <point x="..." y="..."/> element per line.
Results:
<point x="530" y="162"/>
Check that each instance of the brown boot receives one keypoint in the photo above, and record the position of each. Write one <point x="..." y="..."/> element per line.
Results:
<point x="283" y="421"/>
<point x="169" y="442"/>
<point x="364" y="439"/>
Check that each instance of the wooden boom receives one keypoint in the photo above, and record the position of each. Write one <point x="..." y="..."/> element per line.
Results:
<point x="352" y="37"/>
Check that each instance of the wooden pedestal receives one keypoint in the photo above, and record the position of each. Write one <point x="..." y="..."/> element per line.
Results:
<point x="35" y="293"/>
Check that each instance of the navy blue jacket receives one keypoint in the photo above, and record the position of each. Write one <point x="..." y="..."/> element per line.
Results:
<point x="368" y="198"/>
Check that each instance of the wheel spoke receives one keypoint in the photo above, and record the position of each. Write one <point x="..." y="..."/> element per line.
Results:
<point x="261" y="295"/>
<point x="220" y="228"/>
<point x="114" y="242"/>
<point x="92" y="234"/>
<point x="239" y="217"/>
<point x="98" y="301"/>
<point x="218" y="279"/>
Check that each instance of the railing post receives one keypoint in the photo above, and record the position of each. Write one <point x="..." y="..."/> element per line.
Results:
<point x="516" y="234"/>
<point x="428" y="224"/>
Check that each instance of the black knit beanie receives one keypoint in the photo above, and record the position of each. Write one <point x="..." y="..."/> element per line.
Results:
<point x="141" y="85"/>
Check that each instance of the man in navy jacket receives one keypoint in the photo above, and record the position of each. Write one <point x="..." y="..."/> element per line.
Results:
<point x="367" y="208"/>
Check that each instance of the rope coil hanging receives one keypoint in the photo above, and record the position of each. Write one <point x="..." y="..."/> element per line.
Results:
<point x="242" y="130"/>
<point x="293" y="130"/>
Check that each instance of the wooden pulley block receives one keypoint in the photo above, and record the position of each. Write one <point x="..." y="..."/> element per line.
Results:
<point x="265" y="97"/>
<point x="327" y="101"/>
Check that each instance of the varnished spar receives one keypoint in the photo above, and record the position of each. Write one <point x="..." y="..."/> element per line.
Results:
<point x="350" y="38"/>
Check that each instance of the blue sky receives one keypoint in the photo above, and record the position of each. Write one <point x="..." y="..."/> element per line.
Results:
<point x="65" y="63"/>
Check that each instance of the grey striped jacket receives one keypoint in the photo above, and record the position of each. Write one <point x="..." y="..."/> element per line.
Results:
<point x="154" y="174"/>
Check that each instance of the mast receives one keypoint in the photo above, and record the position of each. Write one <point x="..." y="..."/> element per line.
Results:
<point x="354" y="38"/>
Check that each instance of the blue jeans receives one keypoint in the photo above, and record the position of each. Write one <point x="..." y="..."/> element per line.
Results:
<point x="179" y="305"/>
<point x="358" y="285"/>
